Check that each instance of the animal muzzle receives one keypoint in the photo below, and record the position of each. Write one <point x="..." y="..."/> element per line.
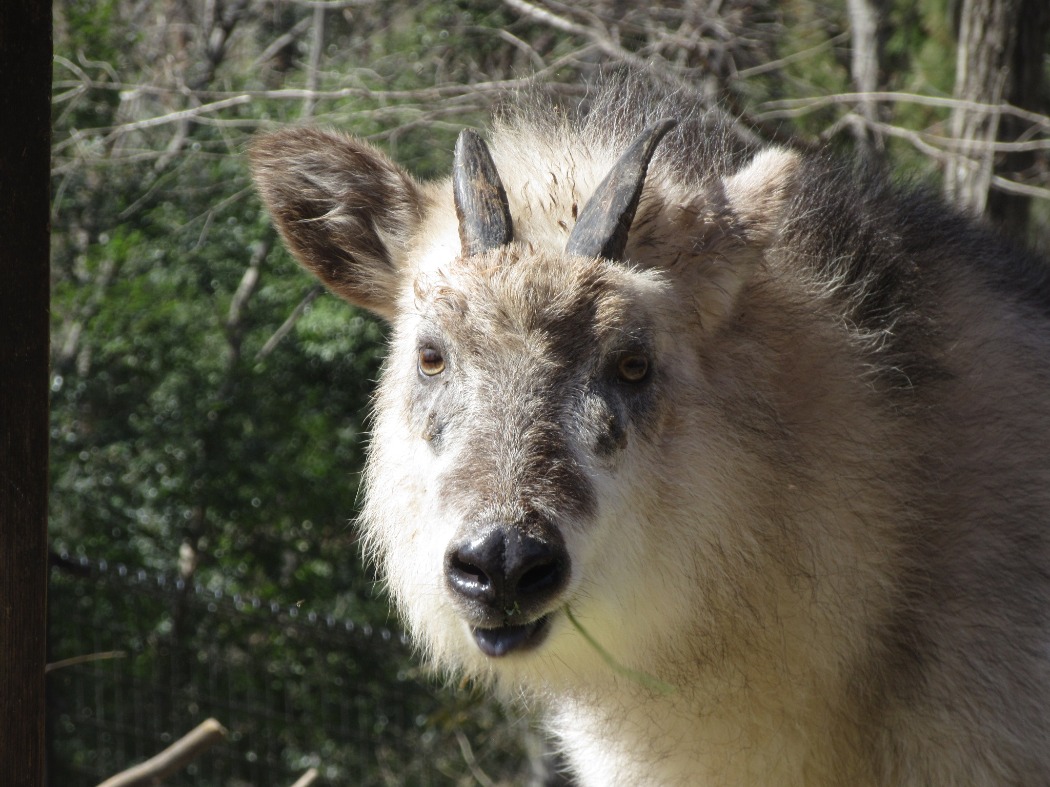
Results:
<point x="505" y="579"/>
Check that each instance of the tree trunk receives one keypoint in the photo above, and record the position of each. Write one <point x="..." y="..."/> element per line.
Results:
<point x="987" y="39"/>
<point x="866" y="40"/>
<point x="1028" y="89"/>
<point x="25" y="155"/>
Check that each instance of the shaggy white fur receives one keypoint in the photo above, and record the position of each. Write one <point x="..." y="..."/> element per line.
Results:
<point x="822" y="516"/>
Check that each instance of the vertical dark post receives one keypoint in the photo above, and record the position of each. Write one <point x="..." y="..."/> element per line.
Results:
<point x="25" y="137"/>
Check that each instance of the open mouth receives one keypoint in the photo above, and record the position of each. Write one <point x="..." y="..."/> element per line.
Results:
<point x="502" y="640"/>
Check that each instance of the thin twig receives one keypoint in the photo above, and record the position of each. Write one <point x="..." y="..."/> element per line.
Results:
<point x="795" y="107"/>
<point x="597" y="36"/>
<point x="286" y="39"/>
<point x="85" y="659"/>
<point x="334" y="5"/>
<point x="471" y="761"/>
<point x="774" y="65"/>
<point x="159" y="120"/>
<point x="288" y="324"/>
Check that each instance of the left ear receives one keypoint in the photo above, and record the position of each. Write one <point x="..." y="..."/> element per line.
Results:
<point x="712" y="242"/>
<point x="758" y="194"/>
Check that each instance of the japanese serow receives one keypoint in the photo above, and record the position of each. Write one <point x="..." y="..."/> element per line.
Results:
<point x="732" y="461"/>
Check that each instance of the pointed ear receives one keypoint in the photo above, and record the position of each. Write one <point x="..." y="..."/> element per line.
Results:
<point x="727" y="230"/>
<point x="344" y="210"/>
<point x="759" y="194"/>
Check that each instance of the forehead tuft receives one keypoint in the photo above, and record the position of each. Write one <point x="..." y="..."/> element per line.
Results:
<point x="518" y="291"/>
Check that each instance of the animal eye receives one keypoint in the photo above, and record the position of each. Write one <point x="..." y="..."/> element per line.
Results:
<point x="632" y="367"/>
<point x="431" y="362"/>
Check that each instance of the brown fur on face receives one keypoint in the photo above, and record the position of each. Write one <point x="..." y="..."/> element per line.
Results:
<point x="820" y="510"/>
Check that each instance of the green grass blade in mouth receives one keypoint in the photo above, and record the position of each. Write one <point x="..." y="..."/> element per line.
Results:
<point x="641" y="678"/>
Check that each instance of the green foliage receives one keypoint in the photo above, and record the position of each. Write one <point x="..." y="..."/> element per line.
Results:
<point x="209" y="410"/>
<point x="192" y="435"/>
<point x="295" y="687"/>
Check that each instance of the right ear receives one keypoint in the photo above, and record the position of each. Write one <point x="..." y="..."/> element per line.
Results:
<point x="344" y="210"/>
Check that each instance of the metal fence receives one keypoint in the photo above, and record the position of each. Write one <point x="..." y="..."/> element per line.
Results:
<point x="139" y="659"/>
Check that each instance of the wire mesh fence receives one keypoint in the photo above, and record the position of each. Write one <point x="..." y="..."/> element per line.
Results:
<point x="138" y="659"/>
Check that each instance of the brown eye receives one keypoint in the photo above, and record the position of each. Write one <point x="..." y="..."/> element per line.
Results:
<point x="632" y="367"/>
<point x="431" y="362"/>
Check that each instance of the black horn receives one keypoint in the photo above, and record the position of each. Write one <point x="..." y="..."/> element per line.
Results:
<point x="605" y="220"/>
<point x="481" y="200"/>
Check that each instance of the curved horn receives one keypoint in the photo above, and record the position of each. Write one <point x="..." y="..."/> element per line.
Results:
<point x="481" y="201"/>
<point x="605" y="220"/>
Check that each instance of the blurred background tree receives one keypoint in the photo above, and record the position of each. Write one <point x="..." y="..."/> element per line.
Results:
<point x="209" y="402"/>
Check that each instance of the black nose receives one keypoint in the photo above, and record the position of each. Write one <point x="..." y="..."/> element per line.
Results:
<point x="504" y="574"/>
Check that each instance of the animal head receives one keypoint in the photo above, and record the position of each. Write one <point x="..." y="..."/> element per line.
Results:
<point x="550" y="426"/>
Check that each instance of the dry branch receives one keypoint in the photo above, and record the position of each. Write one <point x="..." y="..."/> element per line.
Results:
<point x="85" y="659"/>
<point x="177" y="756"/>
<point x="286" y="327"/>
<point x="796" y="107"/>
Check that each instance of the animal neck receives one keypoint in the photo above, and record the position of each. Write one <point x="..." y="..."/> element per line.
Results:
<point x="742" y="732"/>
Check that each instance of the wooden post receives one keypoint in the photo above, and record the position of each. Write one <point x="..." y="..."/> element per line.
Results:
<point x="25" y="137"/>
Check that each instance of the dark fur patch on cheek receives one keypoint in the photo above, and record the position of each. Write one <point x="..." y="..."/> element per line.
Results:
<point x="604" y="425"/>
<point x="616" y="410"/>
<point x="434" y="429"/>
<point x="612" y="436"/>
<point x="427" y="410"/>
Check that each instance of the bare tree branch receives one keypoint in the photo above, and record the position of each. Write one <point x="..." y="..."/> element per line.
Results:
<point x="479" y="775"/>
<point x="333" y="5"/>
<point x="85" y="659"/>
<point x="796" y="107"/>
<point x="308" y="778"/>
<point x="779" y="63"/>
<point x="177" y="756"/>
<point x="924" y="143"/>
<point x="286" y="327"/>
<point x="596" y="34"/>
<point x="284" y="40"/>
